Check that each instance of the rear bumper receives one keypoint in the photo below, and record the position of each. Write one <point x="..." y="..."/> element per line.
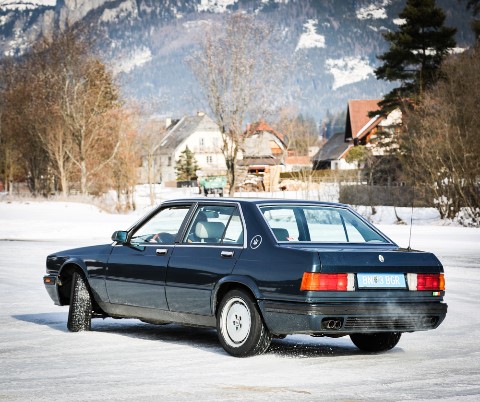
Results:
<point x="347" y="318"/>
<point x="50" y="282"/>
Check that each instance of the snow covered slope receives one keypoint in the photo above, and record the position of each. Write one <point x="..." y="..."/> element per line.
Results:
<point x="331" y="46"/>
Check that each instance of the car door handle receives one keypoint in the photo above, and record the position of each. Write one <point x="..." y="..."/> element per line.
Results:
<point x="227" y="254"/>
<point x="161" y="251"/>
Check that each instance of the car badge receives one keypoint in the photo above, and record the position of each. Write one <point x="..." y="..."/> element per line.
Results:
<point x="255" y="242"/>
<point x="380" y="258"/>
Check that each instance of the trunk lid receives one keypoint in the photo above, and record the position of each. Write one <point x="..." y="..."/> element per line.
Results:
<point x="379" y="260"/>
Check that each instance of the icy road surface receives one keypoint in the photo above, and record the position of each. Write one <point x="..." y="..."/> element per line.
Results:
<point x="126" y="360"/>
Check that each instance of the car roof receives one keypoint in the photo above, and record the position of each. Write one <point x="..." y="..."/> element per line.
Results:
<point x="257" y="201"/>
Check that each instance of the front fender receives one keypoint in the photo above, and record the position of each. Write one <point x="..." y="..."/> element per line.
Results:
<point x="63" y="280"/>
<point x="74" y="261"/>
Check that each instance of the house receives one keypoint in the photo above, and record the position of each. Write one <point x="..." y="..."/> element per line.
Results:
<point x="332" y="154"/>
<point x="294" y="163"/>
<point x="360" y="129"/>
<point x="263" y="147"/>
<point x="202" y="136"/>
<point x="262" y="158"/>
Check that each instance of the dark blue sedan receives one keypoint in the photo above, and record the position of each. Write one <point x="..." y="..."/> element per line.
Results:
<point x="254" y="269"/>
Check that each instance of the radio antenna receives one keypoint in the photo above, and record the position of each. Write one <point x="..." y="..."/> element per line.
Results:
<point x="412" y="150"/>
<point x="411" y="220"/>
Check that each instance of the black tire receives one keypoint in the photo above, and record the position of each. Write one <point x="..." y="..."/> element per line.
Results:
<point x="379" y="342"/>
<point x="240" y="327"/>
<point x="80" y="312"/>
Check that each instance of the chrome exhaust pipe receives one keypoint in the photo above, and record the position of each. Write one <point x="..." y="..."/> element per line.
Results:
<point x="332" y="323"/>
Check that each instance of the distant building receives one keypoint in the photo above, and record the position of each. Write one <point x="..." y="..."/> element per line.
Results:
<point x="202" y="136"/>
<point x="332" y="154"/>
<point x="360" y="129"/>
<point x="295" y="163"/>
<point x="263" y="147"/>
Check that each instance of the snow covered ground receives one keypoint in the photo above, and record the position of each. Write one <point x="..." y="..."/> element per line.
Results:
<point x="123" y="360"/>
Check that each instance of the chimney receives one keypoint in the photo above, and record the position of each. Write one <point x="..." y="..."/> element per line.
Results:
<point x="168" y="122"/>
<point x="200" y="114"/>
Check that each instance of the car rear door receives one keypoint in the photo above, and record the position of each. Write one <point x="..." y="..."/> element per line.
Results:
<point x="209" y="250"/>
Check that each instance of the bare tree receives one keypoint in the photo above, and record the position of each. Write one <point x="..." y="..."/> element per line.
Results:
<point x="124" y="166"/>
<point x="60" y="106"/>
<point x="301" y="131"/>
<point x="443" y="152"/>
<point x="235" y="68"/>
<point x="151" y="132"/>
<point x="24" y="157"/>
<point x="89" y="107"/>
<point x="47" y="60"/>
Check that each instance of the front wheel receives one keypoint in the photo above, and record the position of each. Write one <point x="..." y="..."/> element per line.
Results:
<point x="379" y="342"/>
<point x="240" y="327"/>
<point x="80" y="312"/>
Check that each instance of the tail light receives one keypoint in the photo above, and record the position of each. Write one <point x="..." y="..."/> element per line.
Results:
<point x="426" y="281"/>
<point x="314" y="281"/>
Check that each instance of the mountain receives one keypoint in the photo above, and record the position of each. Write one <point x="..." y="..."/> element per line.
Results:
<point x="331" y="45"/>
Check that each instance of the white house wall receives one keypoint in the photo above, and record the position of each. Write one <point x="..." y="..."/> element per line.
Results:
<point x="342" y="164"/>
<point x="204" y="145"/>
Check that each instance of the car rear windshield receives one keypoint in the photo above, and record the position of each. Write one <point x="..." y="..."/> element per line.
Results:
<point x="318" y="224"/>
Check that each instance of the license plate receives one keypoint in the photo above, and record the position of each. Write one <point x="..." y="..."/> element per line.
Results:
<point x="381" y="281"/>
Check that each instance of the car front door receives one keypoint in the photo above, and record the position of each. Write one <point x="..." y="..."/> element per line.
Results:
<point x="136" y="271"/>
<point x="209" y="250"/>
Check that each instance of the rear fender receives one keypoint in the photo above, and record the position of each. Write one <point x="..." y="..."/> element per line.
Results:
<point x="230" y="282"/>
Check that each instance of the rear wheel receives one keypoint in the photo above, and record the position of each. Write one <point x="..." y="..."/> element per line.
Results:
<point x="240" y="327"/>
<point x="378" y="342"/>
<point x="80" y="312"/>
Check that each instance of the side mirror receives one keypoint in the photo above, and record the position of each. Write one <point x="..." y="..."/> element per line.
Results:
<point x="120" y="236"/>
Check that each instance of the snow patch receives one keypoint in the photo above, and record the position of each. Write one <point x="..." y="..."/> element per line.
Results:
<point x="198" y="24"/>
<point x="457" y="50"/>
<point x="433" y="52"/>
<point x="265" y="3"/>
<point x="4" y="19"/>
<point x="348" y="70"/>
<point x="310" y="39"/>
<point x="18" y="45"/>
<point x="215" y="6"/>
<point x="373" y="11"/>
<point x="394" y="118"/>
<point x="140" y="57"/>
<point x="25" y="4"/>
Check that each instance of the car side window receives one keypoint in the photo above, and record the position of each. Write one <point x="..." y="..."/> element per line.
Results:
<point x="325" y="225"/>
<point x="162" y="227"/>
<point x="322" y="224"/>
<point x="215" y="224"/>
<point x="283" y="223"/>
<point x="234" y="231"/>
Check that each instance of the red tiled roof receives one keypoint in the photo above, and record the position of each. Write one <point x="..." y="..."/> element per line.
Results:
<point x="358" y="114"/>
<point x="262" y="125"/>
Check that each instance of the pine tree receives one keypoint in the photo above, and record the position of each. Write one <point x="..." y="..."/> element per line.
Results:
<point x="416" y="52"/>
<point x="186" y="165"/>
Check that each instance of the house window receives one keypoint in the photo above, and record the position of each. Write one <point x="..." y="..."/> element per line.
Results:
<point x="169" y="163"/>
<point x="201" y="142"/>
<point x="209" y="159"/>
